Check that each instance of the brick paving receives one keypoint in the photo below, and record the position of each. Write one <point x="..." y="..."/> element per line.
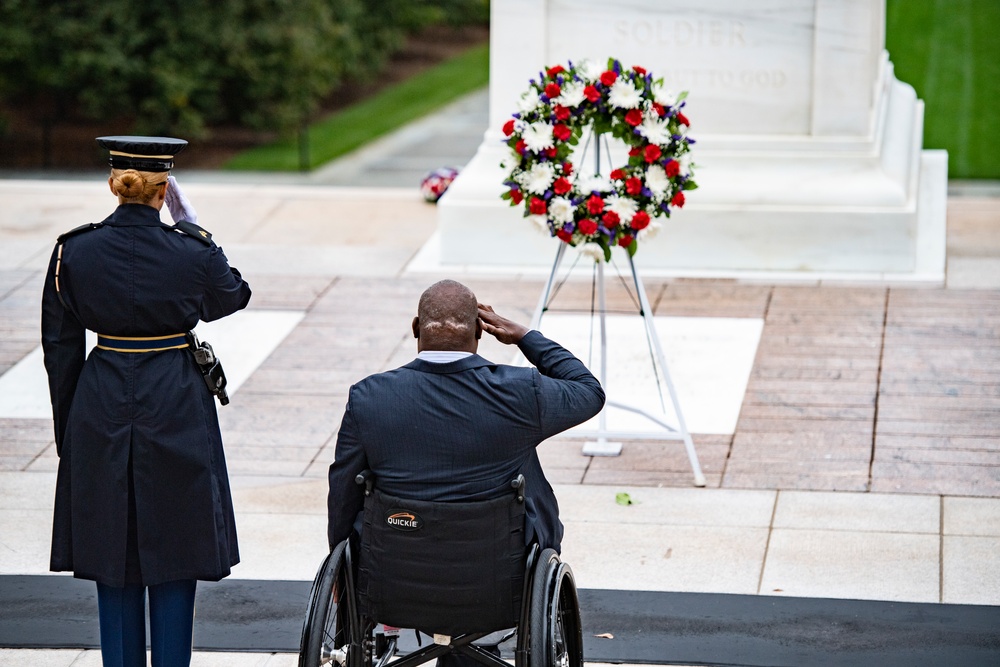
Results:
<point x="852" y="389"/>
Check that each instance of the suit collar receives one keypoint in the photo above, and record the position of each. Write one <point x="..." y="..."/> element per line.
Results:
<point x="134" y="215"/>
<point x="474" y="361"/>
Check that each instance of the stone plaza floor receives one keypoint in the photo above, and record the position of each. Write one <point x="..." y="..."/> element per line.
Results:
<point x="862" y="459"/>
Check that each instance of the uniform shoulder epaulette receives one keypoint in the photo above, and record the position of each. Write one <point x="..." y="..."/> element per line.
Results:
<point x="79" y="230"/>
<point x="194" y="230"/>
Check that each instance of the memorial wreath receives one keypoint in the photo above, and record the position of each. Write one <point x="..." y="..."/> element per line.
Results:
<point x="598" y="212"/>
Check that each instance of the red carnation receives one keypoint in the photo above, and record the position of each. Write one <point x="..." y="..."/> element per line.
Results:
<point x="508" y="127"/>
<point x="592" y="93"/>
<point x="595" y="205"/>
<point x="552" y="90"/>
<point x="550" y="152"/>
<point x="609" y="77"/>
<point x="521" y="147"/>
<point x="561" y="112"/>
<point x="610" y="219"/>
<point x="678" y="200"/>
<point x="682" y="119"/>
<point x="561" y="132"/>
<point x="552" y="71"/>
<point x="652" y="153"/>
<point x="633" y="186"/>
<point x="516" y="196"/>
<point x="565" y="235"/>
<point x="617" y="175"/>
<point x="640" y="220"/>
<point x="673" y="168"/>
<point x="625" y="241"/>
<point x="587" y="226"/>
<point x="635" y="150"/>
<point x="537" y="206"/>
<point x="561" y="186"/>
<point x="660" y="110"/>
<point x="641" y="71"/>
<point x="567" y="168"/>
<point x="633" y="117"/>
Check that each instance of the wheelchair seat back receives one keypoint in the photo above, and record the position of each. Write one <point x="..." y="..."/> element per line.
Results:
<point x="442" y="567"/>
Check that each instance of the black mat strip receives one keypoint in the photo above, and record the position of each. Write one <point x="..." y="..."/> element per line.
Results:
<point x="647" y="627"/>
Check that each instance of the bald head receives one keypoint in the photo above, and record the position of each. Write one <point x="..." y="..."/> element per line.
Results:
<point x="447" y="318"/>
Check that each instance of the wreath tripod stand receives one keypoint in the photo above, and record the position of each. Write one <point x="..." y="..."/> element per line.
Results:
<point x="602" y="446"/>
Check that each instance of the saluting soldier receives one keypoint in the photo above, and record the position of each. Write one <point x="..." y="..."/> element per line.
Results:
<point x="142" y="494"/>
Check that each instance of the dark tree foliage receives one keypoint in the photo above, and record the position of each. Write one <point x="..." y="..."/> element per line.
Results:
<point x="178" y="66"/>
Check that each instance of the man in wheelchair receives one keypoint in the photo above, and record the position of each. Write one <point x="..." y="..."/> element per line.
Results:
<point x="440" y="517"/>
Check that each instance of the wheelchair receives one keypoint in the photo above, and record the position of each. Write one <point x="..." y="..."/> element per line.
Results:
<point x="454" y="571"/>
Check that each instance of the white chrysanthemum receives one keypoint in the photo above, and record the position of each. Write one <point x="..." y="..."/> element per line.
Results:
<point x="664" y="96"/>
<point x="538" y="136"/>
<point x="598" y="183"/>
<point x="685" y="164"/>
<point x="592" y="250"/>
<point x="625" y="207"/>
<point x="623" y="94"/>
<point x="529" y="101"/>
<point x="561" y="209"/>
<point x="649" y="232"/>
<point x="656" y="180"/>
<point x="655" y="130"/>
<point x="540" y="224"/>
<point x="538" y="179"/>
<point x="572" y="95"/>
<point x="589" y="69"/>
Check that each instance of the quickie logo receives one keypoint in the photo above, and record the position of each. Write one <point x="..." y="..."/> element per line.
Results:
<point x="403" y="520"/>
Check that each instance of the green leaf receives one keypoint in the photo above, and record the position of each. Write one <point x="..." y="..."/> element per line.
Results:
<point x="632" y="247"/>
<point x="690" y="185"/>
<point x="624" y="499"/>
<point x="682" y="96"/>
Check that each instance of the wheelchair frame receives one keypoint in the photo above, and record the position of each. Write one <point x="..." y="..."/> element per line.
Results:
<point x="549" y="631"/>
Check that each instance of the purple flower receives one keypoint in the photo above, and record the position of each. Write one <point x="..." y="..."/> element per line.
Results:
<point x="646" y="192"/>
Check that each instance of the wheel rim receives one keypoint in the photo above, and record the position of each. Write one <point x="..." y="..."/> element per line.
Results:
<point x="566" y="649"/>
<point x="333" y="649"/>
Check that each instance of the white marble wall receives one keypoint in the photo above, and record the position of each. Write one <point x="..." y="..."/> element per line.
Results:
<point x="800" y="123"/>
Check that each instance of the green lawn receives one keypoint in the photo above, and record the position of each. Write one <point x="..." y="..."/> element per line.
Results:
<point x="949" y="51"/>
<point x="342" y="132"/>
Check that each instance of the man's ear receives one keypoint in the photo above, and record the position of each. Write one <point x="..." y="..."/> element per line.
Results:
<point x="416" y="327"/>
<point x="479" y="328"/>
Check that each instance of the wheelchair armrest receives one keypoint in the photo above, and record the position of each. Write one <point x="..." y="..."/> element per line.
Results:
<point x="367" y="479"/>
<point x="518" y="485"/>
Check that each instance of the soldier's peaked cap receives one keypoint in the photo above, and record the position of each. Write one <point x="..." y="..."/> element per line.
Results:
<point x="142" y="153"/>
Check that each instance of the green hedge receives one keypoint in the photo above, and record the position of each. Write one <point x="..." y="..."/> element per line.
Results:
<point x="177" y="67"/>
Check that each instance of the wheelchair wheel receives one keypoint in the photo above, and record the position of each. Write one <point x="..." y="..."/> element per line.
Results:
<point x="555" y="635"/>
<point x="330" y="633"/>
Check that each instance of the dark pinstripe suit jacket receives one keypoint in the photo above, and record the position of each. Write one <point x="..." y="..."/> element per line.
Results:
<point x="461" y="430"/>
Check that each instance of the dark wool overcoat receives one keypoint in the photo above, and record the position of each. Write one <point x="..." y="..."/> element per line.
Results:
<point x="141" y="465"/>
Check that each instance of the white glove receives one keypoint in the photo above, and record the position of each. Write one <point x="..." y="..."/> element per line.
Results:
<point x="178" y="205"/>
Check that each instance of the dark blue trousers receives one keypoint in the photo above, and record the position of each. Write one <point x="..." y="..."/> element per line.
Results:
<point x="122" y="613"/>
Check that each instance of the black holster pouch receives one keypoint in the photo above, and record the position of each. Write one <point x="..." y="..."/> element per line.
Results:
<point x="210" y="367"/>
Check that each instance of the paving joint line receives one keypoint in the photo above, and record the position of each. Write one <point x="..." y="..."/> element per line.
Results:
<point x="767" y="543"/>
<point x="878" y="385"/>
